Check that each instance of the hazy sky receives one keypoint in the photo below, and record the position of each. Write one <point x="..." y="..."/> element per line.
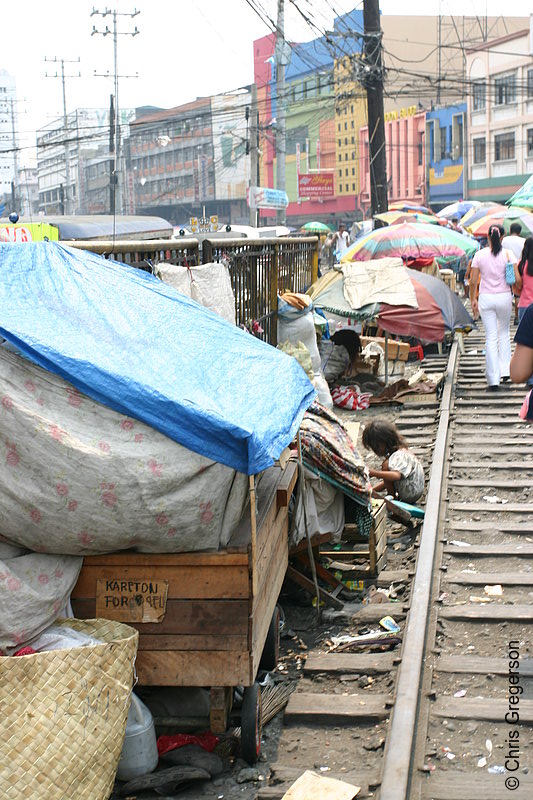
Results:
<point x="185" y="48"/>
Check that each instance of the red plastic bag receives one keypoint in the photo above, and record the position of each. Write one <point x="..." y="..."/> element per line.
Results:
<point x="206" y="740"/>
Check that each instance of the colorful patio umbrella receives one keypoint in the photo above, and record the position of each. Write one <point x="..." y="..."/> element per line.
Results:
<point x="396" y="217"/>
<point x="481" y="227"/>
<point x="459" y="208"/>
<point x="439" y="309"/>
<point x="476" y="213"/>
<point x="401" y="205"/>
<point x="316" y="227"/>
<point x="524" y="196"/>
<point x="412" y="241"/>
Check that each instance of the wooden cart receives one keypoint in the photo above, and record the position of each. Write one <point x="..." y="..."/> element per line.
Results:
<point x="205" y="618"/>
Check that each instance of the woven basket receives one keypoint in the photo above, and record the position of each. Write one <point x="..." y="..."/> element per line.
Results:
<point x="63" y="716"/>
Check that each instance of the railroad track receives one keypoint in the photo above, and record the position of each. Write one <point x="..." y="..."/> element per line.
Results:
<point x="448" y="716"/>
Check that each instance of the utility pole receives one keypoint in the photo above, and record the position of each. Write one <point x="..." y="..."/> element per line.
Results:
<point x="114" y="191"/>
<point x="252" y="146"/>
<point x="67" y="208"/>
<point x="281" y="142"/>
<point x="373" y="83"/>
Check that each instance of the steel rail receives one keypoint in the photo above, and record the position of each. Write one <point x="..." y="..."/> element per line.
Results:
<point x="401" y="739"/>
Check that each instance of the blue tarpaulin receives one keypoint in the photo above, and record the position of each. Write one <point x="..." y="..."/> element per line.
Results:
<point x="129" y="341"/>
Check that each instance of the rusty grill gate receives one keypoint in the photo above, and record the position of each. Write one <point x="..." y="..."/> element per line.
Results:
<point x="260" y="269"/>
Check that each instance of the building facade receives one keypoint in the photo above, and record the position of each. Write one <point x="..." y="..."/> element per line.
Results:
<point x="444" y="145"/>
<point x="192" y="158"/>
<point x="8" y="139"/>
<point x="500" y="116"/>
<point x="406" y="164"/>
<point x="85" y="137"/>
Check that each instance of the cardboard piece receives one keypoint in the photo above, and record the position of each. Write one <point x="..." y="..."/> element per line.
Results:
<point x="310" y="785"/>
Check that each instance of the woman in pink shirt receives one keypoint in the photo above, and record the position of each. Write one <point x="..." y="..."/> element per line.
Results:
<point x="495" y="304"/>
<point x="525" y="283"/>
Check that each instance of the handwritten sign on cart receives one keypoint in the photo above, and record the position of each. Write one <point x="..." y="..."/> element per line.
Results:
<point x="131" y="599"/>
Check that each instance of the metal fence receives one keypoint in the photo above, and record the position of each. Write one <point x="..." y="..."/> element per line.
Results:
<point x="260" y="269"/>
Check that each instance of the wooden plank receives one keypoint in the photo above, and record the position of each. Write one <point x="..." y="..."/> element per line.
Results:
<point x="373" y="612"/>
<point x="186" y="617"/>
<point x="309" y="586"/>
<point x="483" y="578"/>
<point x="276" y="546"/>
<point x="485" y="709"/>
<point x="495" y="449"/>
<point x="517" y="527"/>
<point x="360" y="663"/>
<point x="489" y="612"/>
<point x="494" y="550"/>
<point x="198" y="641"/>
<point x="286" y="484"/>
<point x="517" y="508"/>
<point x="265" y="602"/>
<point x="192" y="668"/>
<point x="320" y="787"/>
<point x="146" y="560"/>
<point x="492" y="483"/>
<point x="507" y="465"/>
<point x="184" y="581"/>
<point x="335" y="709"/>
<point x="479" y="665"/>
<point x="473" y="786"/>
<point x="284" y="777"/>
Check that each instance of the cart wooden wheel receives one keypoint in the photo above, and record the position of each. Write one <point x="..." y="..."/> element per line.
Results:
<point x="270" y="654"/>
<point x="251" y="726"/>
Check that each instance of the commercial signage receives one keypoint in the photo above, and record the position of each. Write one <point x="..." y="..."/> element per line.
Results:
<point x="32" y="232"/>
<point x="204" y="224"/>
<point x="316" y="184"/>
<point x="267" y="198"/>
<point x="403" y="113"/>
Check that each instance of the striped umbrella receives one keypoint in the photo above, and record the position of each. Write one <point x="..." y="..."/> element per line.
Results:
<point x="459" y="208"/>
<point x="524" y="196"/>
<point x="396" y="217"/>
<point x="477" y="213"/>
<point x="439" y="309"/>
<point x="411" y="241"/>
<point x="401" y="205"/>
<point x="506" y="217"/>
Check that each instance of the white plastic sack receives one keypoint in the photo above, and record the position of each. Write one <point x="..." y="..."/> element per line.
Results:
<point x="208" y="284"/>
<point x="300" y="327"/>
<point x="321" y="385"/>
<point x="80" y="478"/>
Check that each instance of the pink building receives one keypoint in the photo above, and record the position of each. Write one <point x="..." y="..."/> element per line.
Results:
<point x="406" y="167"/>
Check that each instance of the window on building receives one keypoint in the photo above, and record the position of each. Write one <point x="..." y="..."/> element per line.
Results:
<point x="340" y="142"/>
<point x="340" y="158"/>
<point x="340" y="173"/>
<point x="457" y="136"/>
<point x="530" y="84"/>
<point x="346" y="156"/>
<point x="505" y="89"/>
<point x="346" y="171"/>
<point x="479" y="95"/>
<point x="420" y="150"/>
<point x="353" y="140"/>
<point x="352" y="124"/>
<point x="339" y="126"/>
<point x="345" y="140"/>
<point x="353" y="187"/>
<point x="443" y="141"/>
<point x="504" y="149"/>
<point x="353" y="170"/>
<point x="347" y="187"/>
<point x="480" y="150"/>
<point x="530" y="142"/>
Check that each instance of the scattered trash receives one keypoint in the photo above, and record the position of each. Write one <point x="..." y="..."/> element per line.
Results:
<point x="325" y="769"/>
<point x="475" y="599"/>
<point x="493" y="498"/>
<point x="494" y="591"/>
<point x="459" y="543"/>
<point x="389" y="624"/>
<point x="482" y="762"/>
<point x="442" y="597"/>
<point x="488" y="745"/>
<point x="460" y="693"/>
<point x="496" y="770"/>
<point x="376" y="595"/>
<point x="448" y="753"/>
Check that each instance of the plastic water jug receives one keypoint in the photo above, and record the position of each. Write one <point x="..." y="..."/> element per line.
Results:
<point x="139" y="752"/>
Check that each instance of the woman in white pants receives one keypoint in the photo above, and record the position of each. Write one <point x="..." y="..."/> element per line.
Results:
<point x="495" y="305"/>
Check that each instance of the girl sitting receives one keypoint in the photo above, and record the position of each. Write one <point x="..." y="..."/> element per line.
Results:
<point x="401" y="473"/>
